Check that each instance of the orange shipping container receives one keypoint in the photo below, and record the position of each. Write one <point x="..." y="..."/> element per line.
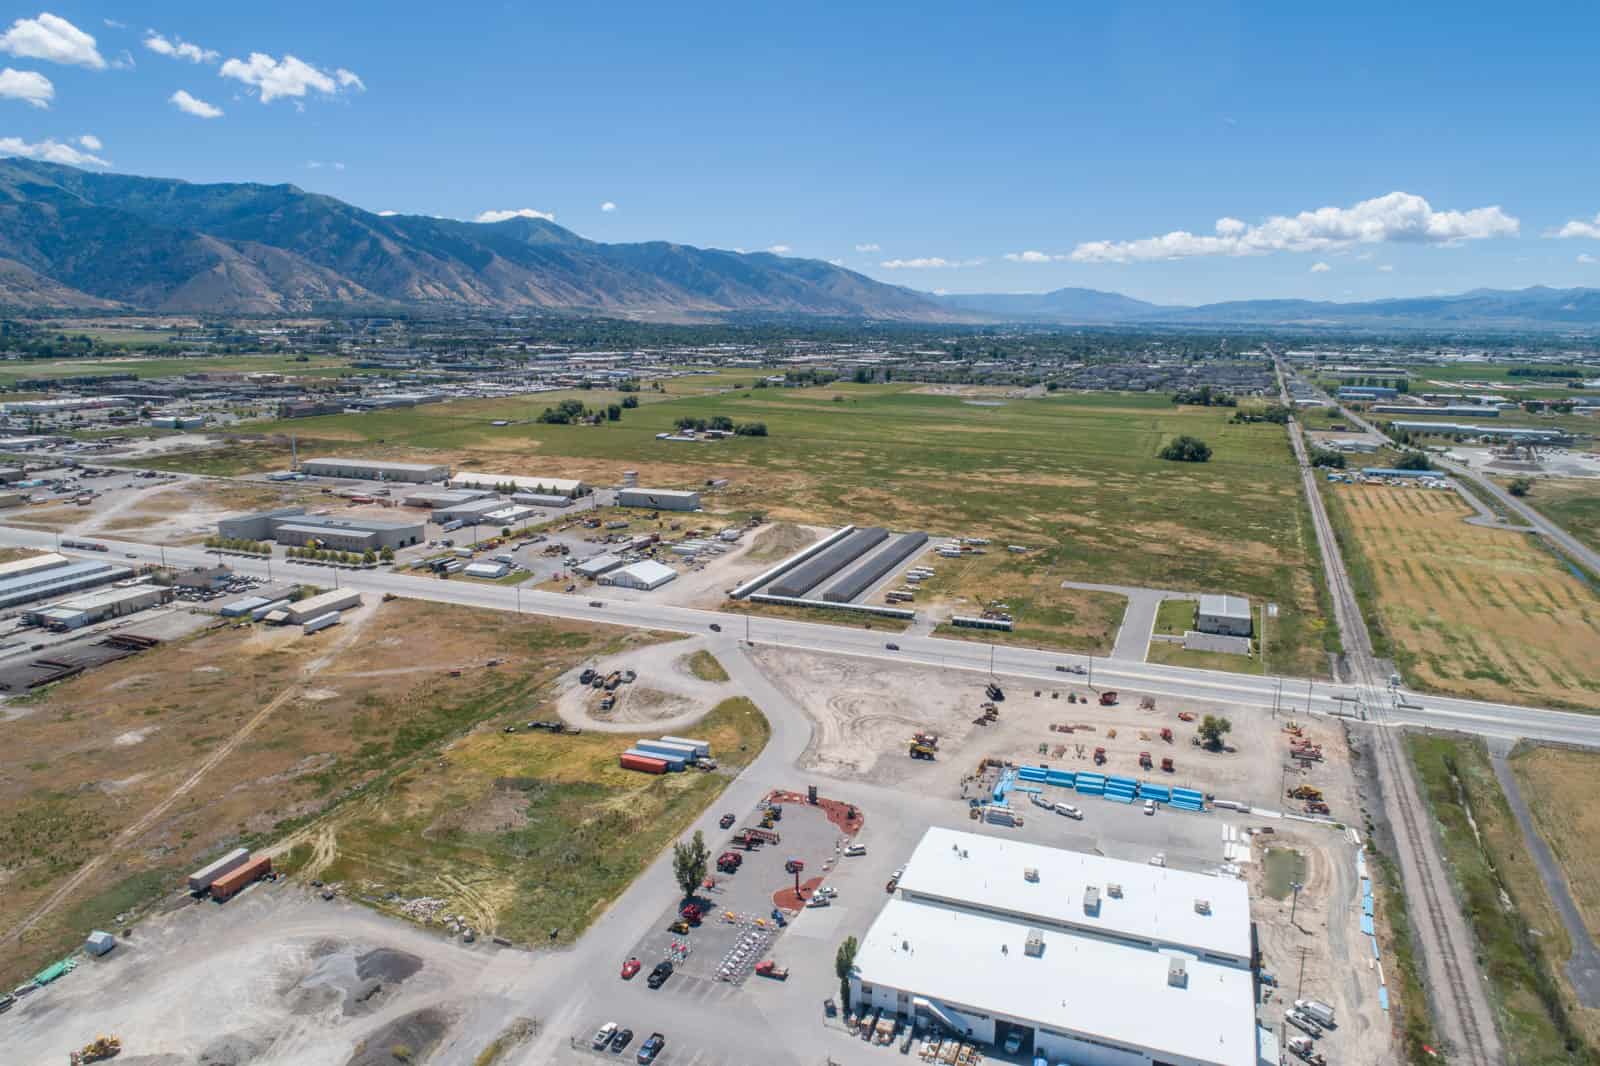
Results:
<point x="231" y="884"/>
<point x="630" y="761"/>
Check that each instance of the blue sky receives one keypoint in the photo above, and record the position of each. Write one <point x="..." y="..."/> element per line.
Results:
<point x="921" y="144"/>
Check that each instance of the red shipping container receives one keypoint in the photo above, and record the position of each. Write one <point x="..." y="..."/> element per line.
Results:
<point x="231" y="884"/>
<point x="648" y="765"/>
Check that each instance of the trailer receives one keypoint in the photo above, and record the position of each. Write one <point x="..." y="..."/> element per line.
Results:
<point x="231" y="884"/>
<point x="321" y="622"/>
<point x="201" y="879"/>
<point x="702" y="749"/>
<point x="667" y="749"/>
<point x="632" y="760"/>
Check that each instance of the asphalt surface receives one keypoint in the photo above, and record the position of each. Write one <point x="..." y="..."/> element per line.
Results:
<point x="1139" y="620"/>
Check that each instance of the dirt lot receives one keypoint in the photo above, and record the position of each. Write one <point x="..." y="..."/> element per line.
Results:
<point x="865" y="713"/>
<point x="666" y="688"/>
<point x="1475" y="611"/>
<point x="105" y="764"/>
<point x="275" y="974"/>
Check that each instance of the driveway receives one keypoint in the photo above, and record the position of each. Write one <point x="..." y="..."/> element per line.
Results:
<point x="1139" y="620"/>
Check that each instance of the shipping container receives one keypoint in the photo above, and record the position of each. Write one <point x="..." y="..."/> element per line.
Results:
<point x="701" y="747"/>
<point x="645" y="763"/>
<point x="321" y="622"/>
<point x="231" y="884"/>
<point x="201" y="879"/>
<point x="667" y="750"/>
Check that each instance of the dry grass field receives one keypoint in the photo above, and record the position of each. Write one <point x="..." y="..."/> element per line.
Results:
<point x="1473" y="611"/>
<point x="89" y="758"/>
<point x="1556" y="782"/>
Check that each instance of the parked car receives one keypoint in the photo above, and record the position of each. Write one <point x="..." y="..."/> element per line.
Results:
<point x="1013" y="1043"/>
<point x="892" y="647"/>
<point x="659" y="975"/>
<point x="715" y="628"/>
<point x="630" y="968"/>
<point x="1149" y="806"/>
<point x="651" y="1048"/>
<point x="856" y="849"/>
<point x="603" y="1036"/>
<point x="596" y="603"/>
<point x="818" y="901"/>
<point x="727" y="820"/>
<point x="623" y="1038"/>
<point x="1069" y="811"/>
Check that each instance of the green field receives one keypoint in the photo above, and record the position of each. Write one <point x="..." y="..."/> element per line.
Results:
<point x="1571" y="503"/>
<point x="1073" y="476"/>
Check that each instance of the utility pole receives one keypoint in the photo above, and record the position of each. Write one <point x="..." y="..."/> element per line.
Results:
<point x="747" y="629"/>
<point x="1293" y="905"/>
<point x="1300" y="986"/>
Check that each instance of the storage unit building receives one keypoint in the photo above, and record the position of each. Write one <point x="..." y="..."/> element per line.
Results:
<point x="201" y="879"/>
<point x="1228" y="615"/>
<point x="823" y="565"/>
<point x="58" y="581"/>
<point x="19" y="567"/>
<point x="316" y="606"/>
<point x="645" y="575"/>
<point x="873" y="569"/>
<point x="374" y="470"/>
<point x="659" y="499"/>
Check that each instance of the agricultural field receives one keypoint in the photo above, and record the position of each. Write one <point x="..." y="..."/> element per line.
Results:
<point x="1573" y="503"/>
<point x="1075" y="477"/>
<point x="1465" y="609"/>
<point x="1522" y="946"/>
<point x="523" y="832"/>
<point x="288" y="725"/>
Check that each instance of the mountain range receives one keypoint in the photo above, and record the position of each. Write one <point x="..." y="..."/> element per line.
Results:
<point x="71" y="238"/>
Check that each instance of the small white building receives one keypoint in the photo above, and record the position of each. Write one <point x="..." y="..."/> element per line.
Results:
<point x="1227" y="615"/>
<point x="488" y="570"/>
<point x="645" y="575"/>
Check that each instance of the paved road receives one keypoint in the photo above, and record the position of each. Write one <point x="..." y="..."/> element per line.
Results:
<point x="1584" y="966"/>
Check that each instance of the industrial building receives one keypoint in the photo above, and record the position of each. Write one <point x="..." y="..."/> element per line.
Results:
<point x="1469" y="410"/>
<point x="1227" y="615"/>
<point x="41" y="584"/>
<point x="817" y="569"/>
<point x="60" y="405"/>
<point x="469" y="512"/>
<point x="436" y="499"/>
<point x="1073" y="954"/>
<point x="292" y="526"/>
<point x="488" y="570"/>
<point x="659" y="499"/>
<point x="600" y="564"/>
<point x="177" y="421"/>
<point x="1368" y="392"/>
<point x="97" y="606"/>
<point x="645" y="575"/>
<point x="551" y="486"/>
<point x="1520" y="434"/>
<point x="32" y="564"/>
<point x="541" y="499"/>
<point x="374" y="470"/>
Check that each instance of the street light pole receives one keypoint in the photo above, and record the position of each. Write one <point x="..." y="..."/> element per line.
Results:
<point x="1293" y="904"/>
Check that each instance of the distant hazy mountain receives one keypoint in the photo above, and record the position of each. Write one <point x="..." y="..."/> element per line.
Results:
<point x="73" y="238"/>
<point x="1536" y="308"/>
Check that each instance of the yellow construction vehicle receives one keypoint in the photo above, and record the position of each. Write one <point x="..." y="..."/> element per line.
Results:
<point x="921" y="751"/>
<point x="98" y="1050"/>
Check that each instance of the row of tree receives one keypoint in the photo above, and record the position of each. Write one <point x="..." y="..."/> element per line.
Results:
<point x="239" y="544"/>
<point x="568" y="412"/>
<point x="722" y="423"/>
<point x="327" y="555"/>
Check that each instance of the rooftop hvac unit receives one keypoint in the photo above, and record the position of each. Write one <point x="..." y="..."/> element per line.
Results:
<point x="1114" y="891"/>
<point x="1177" y="973"/>
<point x="1202" y="906"/>
<point x="1033" y="947"/>
<point x="1031" y="873"/>
<point x="1091" y="899"/>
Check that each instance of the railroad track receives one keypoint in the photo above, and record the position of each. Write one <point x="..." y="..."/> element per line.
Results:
<point x="1457" y="1007"/>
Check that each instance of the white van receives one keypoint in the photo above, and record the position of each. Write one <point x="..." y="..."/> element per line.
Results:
<point x="856" y="849"/>
<point x="1069" y="811"/>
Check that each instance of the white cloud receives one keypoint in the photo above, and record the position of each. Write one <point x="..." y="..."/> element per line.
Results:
<point x="53" y="38"/>
<point x="779" y="249"/>
<point x="868" y="248"/>
<point x="193" y="105"/>
<point x="29" y="86"/>
<point x="1320" y="268"/>
<point x="1398" y="217"/>
<point x="1585" y="258"/>
<point x="124" y="61"/>
<point x="91" y="142"/>
<point x="290" y="77"/>
<point x="317" y="164"/>
<point x="608" y="206"/>
<point x="1033" y="257"/>
<point x="178" y="48"/>
<point x="50" y="152"/>
<point x="520" y="212"/>
<point x="1581" y="228"/>
<point x="1386" y="268"/>
<point x="932" y="262"/>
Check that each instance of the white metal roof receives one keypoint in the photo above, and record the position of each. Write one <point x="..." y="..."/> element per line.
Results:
<point x="1080" y="985"/>
<point x="1157" y="902"/>
<point x="521" y="482"/>
<point x="648" y="571"/>
<point x="1225" y="606"/>
<point x="374" y="464"/>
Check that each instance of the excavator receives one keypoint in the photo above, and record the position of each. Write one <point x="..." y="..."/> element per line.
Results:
<point x="98" y="1050"/>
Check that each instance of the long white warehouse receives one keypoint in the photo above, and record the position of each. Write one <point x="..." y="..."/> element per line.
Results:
<point x="1071" y="955"/>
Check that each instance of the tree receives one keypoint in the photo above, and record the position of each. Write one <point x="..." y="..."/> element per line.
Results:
<point x="614" y="412"/>
<point x="689" y="861"/>
<point x="505" y="532"/>
<point x="1413" y="460"/>
<point x="1212" y="729"/>
<point x="368" y="557"/>
<point x="1187" y="449"/>
<point x="1520" y="486"/>
<point x="752" y="429"/>
<point x="1323" y="457"/>
<point x="843" y="962"/>
<point x="387" y="555"/>
<point x="630" y="402"/>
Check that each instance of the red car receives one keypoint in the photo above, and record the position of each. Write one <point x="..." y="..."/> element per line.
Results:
<point x="728" y="820"/>
<point x="692" y="913"/>
<point x="630" y="968"/>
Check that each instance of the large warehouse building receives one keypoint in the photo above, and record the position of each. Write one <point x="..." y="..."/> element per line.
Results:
<point x="1075" y="955"/>
<point x="374" y="470"/>
<point x="659" y="499"/>
<point x="291" y="525"/>
<point x="552" y="486"/>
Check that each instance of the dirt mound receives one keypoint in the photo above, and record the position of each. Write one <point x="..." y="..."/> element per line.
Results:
<point x="231" y="1049"/>
<point x="410" y="1038"/>
<point x="779" y="541"/>
<point x="388" y="965"/>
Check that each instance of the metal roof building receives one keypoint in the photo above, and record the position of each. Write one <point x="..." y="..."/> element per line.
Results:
<point x="600" y="564"/>
<point x="1229" y="615"/>
<point x="1073" y="953"/>
<point x="479" y="479"/>
<point x="58" y="581"/>
<point x="646" y="575"/>
<point x="374" y="470"/>
<point x="659" y="499"/>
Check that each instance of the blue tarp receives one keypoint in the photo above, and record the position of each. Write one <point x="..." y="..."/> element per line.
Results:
<point x="1383" y="997"/>
<point x="1366" y="924"/>
<point x="1375" y="948"/>
<point x="1366" y="906"/>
